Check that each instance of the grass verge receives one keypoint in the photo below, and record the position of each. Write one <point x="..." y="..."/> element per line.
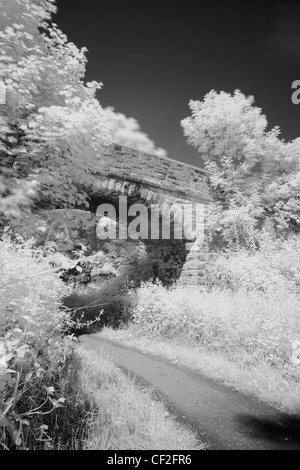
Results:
<point x="258" y="379"/>
<point x="126" y="416"/>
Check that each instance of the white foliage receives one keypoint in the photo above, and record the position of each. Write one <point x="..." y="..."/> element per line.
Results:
<point x="253" y="171"/>
<point x="59" y="127"/>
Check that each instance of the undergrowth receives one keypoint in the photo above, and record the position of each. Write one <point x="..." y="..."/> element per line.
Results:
<point x="35" y="354"/>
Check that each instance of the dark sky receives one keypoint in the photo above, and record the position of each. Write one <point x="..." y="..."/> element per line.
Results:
<point x="154" y="56"/>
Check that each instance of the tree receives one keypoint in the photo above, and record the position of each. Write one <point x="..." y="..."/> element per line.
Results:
<point x="229" y="133"/>
<point x="281" y="197"/>
<point x="54" y="130"/>
<point x="253" y="172"/>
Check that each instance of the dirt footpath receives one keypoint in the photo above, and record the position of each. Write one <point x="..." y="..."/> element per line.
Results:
<point x="223" y="418"/>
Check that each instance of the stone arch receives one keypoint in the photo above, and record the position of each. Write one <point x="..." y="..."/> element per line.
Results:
<point x="111" y="188"/>
<point x="169" y="259"/>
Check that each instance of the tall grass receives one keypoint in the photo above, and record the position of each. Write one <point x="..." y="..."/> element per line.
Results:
<point x="246" y="326"/>
<point x="125" y="415"/>
<point x="240" y="327"/>
<point x="275" y="265"/>
<point x="35" y="358"/>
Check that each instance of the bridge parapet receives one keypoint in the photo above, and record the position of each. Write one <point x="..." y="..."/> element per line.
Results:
<point x="157" y="172"/>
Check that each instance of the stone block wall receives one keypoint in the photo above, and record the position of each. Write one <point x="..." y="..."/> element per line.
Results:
<point x="150" y="179"/>
<point x="193" y="270"/>
<point x="182" y="180"/>
<point x="166" y="259"/>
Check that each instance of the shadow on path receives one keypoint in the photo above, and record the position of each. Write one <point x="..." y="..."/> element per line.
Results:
<point x="223" y="418"/>
<point x="282" y="431"/>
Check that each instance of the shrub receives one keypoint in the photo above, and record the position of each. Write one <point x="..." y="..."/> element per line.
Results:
<point x="34" y="357"/>
<point x="275" y="265"/>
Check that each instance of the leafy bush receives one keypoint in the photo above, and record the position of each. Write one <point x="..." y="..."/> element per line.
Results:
<point x="276" y="265"/>
<point x="35" y="358"/>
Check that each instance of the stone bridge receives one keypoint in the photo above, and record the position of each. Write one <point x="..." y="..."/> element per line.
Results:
<point x="159" y="183"/>
<point x="172" y="188"/>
